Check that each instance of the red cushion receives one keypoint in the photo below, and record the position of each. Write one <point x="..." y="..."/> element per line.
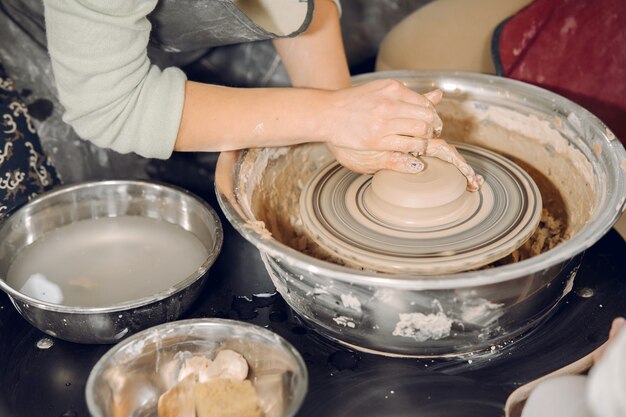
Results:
<point x="576" y="48"/>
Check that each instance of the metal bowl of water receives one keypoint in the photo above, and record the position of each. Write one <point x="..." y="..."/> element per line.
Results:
<point x="566" y="148"/>
<point x="129" y="378"/>
<point x="42" y="231"/>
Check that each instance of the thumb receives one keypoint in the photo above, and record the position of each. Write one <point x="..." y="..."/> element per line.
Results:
<point x="401" y="162"/>
<point x="434" y="96"/>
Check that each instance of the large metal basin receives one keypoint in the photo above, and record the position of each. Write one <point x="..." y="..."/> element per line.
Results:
<point x="457" y="313"/>
<point x="98" y="199"/>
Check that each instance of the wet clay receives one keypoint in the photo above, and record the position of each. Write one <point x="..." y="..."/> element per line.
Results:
<point x="428" y="198"/>
<point x="553" y="226"/>
<point x="271" y="180"/>
<point x="438" y="184"/>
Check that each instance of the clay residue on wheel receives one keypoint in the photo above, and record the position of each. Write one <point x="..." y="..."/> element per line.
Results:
<point x="564" y="176"/>
<point x="550" y="232"/>
<point x="553" y="226"/>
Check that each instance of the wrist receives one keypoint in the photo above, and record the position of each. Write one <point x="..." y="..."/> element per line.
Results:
<point x="322" y="117"/>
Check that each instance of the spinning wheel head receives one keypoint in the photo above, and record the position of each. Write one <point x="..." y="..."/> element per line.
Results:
<point x="424" y="223"/>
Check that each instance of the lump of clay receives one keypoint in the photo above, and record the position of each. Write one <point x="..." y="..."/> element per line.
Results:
<point x="227" y="364"/>
<point x="179" y="401"/>
<point x="210" y="388"/>
<point x="216" y="398"/>
<point x="226" y="398"/>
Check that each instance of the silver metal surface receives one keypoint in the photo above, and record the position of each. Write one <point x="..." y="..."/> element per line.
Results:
<point x="128" y="380"/>
<point x="108" y="199"/>
<point x="479" y="309"/>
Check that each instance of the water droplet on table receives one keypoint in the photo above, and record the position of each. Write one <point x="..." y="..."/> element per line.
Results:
<point x="585" y="292"/>
<point x="45" y="343"/>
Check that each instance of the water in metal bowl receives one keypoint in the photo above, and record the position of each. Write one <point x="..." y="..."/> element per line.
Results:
<point x="95" y="262"/>
<point x="571" y="155"/>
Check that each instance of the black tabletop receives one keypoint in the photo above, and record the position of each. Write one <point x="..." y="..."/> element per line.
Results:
<point x="42" y="381"/>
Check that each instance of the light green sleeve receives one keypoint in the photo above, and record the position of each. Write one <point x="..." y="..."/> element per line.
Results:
<point x="112" y="95"/>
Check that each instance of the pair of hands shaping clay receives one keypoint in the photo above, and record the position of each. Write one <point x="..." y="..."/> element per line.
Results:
<point x="434" y="184"/>
<point x="433" y="146"/>
<point x="425" y="126"/>
<point x="441" y="177"/>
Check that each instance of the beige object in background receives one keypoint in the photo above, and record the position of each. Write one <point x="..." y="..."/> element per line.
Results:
<point x="446" y="35"/>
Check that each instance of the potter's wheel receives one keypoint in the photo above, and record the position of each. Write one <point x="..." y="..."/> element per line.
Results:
<point x="424" y="223"/>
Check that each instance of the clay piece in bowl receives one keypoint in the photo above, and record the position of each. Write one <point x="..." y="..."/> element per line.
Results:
<point x="425" y="223"/>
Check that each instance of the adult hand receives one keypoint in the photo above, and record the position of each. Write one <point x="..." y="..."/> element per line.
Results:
<point x="385" y="125"/>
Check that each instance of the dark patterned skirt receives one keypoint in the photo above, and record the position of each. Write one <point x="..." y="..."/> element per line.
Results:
<point x="25" y="171"/>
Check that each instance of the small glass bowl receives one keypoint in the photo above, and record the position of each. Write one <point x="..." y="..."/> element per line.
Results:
<point x="129" y="379"/>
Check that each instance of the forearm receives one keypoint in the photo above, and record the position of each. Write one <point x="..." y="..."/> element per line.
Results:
<point x="317" y="58"/>
<point x="221" y="118"/>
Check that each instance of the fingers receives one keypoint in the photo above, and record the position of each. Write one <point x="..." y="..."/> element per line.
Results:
<point x="410" y="127"/>
<point x="389" y="125"/>
<point x="405" y="110"/>
<point x="434" y="96"/>
<point x="406" y="103"/>
<point x="362" y="116"/>
<point x="369" y="162"/>
<point x="398" y="91"/>
<point x="401" y="162"/>
<point x="404" y="144"/>
<point x="399" y="153"/>
<point x="437" y="125"/>
<point x="439" y="148"/>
